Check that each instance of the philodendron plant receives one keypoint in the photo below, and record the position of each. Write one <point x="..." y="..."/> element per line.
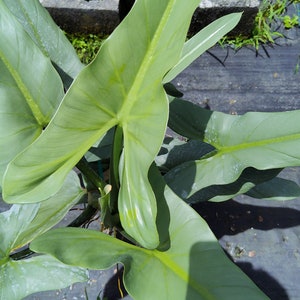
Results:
<point x="58" y="116"/>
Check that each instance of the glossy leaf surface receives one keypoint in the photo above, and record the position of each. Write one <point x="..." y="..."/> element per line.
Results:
<point x="259" y="140"/>
<point x="30" y="89"/>
<point x="49" y="38"/>
<point x="53" y="210"/>
<point x="191" y="266"/>
<point x="118" y="88"/>
<point x="12" y="224"/>
<point x="22" y="223"/>
<point x="19" y="279"/>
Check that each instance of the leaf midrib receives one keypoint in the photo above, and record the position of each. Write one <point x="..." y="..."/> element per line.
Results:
<point x="130" y="99"/>
<point x="255" y="144"/>
<point x="37" y="113"/>
<point x="181" y="273"/>
<point x="34" y="30"/>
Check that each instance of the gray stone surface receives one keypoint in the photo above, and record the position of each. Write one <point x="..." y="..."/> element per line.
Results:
<point x="229" y="3"/>
<point x="96" y="16"/>
<point x="81" y="4"/>
<point x="245" y="82"/>
<point x="101" y="16"/>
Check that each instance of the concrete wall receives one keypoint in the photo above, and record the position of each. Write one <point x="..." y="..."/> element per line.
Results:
<point x="101" y="16"/>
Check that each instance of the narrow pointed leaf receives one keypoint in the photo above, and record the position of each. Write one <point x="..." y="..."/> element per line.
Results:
<point x="19" y="279"/>
<point x="249" y="179"/>
<point x="30" y="89"/>
<point x="202" y="41"/>
<point x="47" y="35"/>
<point x="276" y="189"/>
<point x="259" y="140"/>
<point x="191" y="266"/>
<point x="118" y="88"/>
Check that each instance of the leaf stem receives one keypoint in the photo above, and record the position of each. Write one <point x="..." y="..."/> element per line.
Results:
<point x="22" y="254"/>
<point x="84" y="217"/>
<point x="114" y="169"/>
<point x="91" y="175"/>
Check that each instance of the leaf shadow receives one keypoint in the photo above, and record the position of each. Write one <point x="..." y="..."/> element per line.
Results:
<point x="258" y="276"/>
<point x="266" y="282"/>
<point x="114" y="289"/>
<point x="231" y="218"/>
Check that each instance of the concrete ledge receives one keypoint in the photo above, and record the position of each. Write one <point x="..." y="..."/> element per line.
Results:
<point x="101" y="16"/>
<point x="204" y="16"/>
<point x="96" y="16"/>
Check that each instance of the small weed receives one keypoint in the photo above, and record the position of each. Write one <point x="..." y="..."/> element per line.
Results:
<point x="271" y="17"/>
<point x="290" y="22"/>
<point x="86" y="45"/>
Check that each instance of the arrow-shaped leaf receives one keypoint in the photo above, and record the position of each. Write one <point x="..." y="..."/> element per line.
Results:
<point x="121" y="88"/>
<point x="259" y="140"/>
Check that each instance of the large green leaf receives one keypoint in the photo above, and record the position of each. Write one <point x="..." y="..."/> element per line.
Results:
<point x="259" y="140"/>
<point x="23" y="222"/>
<point x="47" y="35"/>
<point x="24" y="277"/>
<point x="122" y="88"/>
<point x="189" y="264"/>
<point x="30" y="89"/>
<point x="202" y="41"/>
